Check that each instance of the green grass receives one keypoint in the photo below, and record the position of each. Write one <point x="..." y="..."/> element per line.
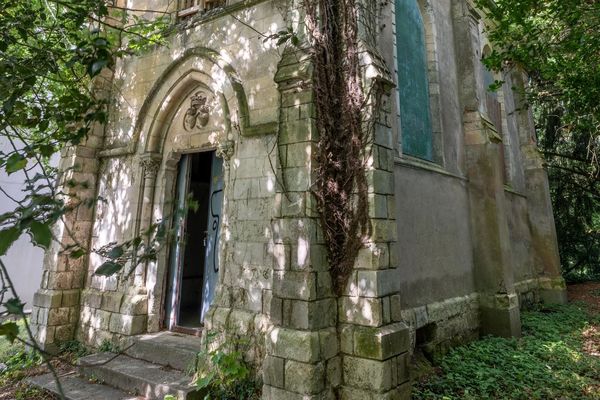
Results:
<point x="6" y="347"/>
<point x="546" y="363"/>
<point x="15" y="356"/>
<point x="16" y="362"/>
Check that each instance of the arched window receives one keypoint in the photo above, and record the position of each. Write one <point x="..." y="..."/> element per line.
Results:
<point x="493" y="109"/>
<point x="492" y="102"/>
<point x="187" y="8"/>
<point x="413" y="83"/>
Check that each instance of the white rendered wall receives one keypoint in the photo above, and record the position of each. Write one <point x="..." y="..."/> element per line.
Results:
<point x="23" y="259"/>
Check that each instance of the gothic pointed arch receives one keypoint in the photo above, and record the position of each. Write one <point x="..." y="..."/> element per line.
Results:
<point x="199" y="66"/>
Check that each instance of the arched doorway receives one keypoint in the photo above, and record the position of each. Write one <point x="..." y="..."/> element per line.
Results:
<point x="188" y="133"/>
<point x="194" y="257"/>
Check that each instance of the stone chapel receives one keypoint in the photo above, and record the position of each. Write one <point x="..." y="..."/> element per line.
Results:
<point x="463" y="233"/>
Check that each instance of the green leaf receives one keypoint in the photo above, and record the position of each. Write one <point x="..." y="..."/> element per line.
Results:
<point x="161" y="232"/>
<point x="7" y="238"/>
<point x="75" y="254"/>
<point x="109" y="268"/>
<point x="205" y="380"/>
<point x="41" y="233"/>
<point x="10" y="330"/>
<point x="115" y="252"/>
<point x="46" y="150"/>
<point x="43" y="125"/>
<point x="15" y="162"/>
<point x="97" y="66"/>
<point x="282" y="40"/>
<point x="14" y="306"/>
<point x="100" y="42"/>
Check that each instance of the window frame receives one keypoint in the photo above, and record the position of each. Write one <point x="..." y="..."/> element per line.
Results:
<point x="433" y="85"/>
<point x="500" y="121"/>
<point x="187" y="8"/>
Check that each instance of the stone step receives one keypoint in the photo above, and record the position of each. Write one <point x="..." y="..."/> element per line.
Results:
<point x="175" y="350"/>
<point x="77" y="388"/>
<point x="152" y="381"/>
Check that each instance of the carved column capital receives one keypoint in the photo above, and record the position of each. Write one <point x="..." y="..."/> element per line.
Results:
<point x="150" y="164"/>
<point x="226" y="149"/>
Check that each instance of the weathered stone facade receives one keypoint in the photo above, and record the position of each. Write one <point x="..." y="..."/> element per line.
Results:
<point x="458" y="243"/>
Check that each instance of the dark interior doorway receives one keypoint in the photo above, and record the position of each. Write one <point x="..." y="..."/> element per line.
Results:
<point x="192" y="268"/>
<point x="188" y="252"/>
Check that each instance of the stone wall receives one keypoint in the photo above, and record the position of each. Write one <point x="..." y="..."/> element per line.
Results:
<point x="437" y="326"/>
<point x="434" y="241"/>
<point x="112" y="308"/>
<point x="491" y="260"/>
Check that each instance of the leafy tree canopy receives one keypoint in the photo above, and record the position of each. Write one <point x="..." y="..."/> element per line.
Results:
<point x="51" y="55"/>
<point x="557" y="42"/>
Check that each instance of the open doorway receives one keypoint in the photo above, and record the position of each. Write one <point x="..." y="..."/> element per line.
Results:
<point x="193" y="269"/>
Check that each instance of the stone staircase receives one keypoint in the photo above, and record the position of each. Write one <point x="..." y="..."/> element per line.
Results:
<point x="153" y="367"/>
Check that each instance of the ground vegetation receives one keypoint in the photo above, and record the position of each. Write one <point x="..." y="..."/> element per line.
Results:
<point x="557" y="358"/>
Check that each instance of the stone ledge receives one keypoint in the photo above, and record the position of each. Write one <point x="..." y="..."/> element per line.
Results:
<point x="381" y="343"/>
<point x="274" y="393"/>
<point x="499" y="300"/>
<point x="47" y="298"/>
<point x="371" y="375"/>
<point x="293" y="344"/>
<point x="418" y="317"/>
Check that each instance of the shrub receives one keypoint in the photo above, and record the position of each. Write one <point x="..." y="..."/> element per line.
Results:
<point x="223" y="373"/>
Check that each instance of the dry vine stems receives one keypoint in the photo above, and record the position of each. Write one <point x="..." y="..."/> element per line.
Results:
<point x="340" y="188"/>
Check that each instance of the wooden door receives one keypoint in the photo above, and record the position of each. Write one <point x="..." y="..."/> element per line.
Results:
<point x="178" y="243"/>
<point x="211" y="263"/>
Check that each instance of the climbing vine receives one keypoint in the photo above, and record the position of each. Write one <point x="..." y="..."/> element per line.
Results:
<point x="340" y="188"/>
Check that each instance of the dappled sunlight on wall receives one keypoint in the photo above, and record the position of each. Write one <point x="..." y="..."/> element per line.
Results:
<point x="248" y="236"/>
<point x="238" y="43"/>
<point x="115" y="213"/>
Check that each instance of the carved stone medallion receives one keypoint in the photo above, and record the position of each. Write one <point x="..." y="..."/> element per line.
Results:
<point x="198" y="114"/>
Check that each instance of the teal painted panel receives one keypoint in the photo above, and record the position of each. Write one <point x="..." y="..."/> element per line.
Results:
<point x="177" y="247"/>
<point x="215" y="207"/>
<point x="413" y="83"/>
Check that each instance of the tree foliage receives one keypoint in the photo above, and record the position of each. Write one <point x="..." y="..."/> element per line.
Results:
<point x="557" y="43"/>
<point x="50" y="52"/>
<point x="54" y="54"/>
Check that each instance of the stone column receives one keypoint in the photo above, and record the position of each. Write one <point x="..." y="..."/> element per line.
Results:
<point x="552" y="288"/>
<point x="489" y="226"/>
<point x="56" y="304"/>
<point x="374" y="349"/>
<point x="302" y="347"/>
<point x="133" y="313"/>
<point x="323" y="347"/>
<point x="150" y="164"/>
